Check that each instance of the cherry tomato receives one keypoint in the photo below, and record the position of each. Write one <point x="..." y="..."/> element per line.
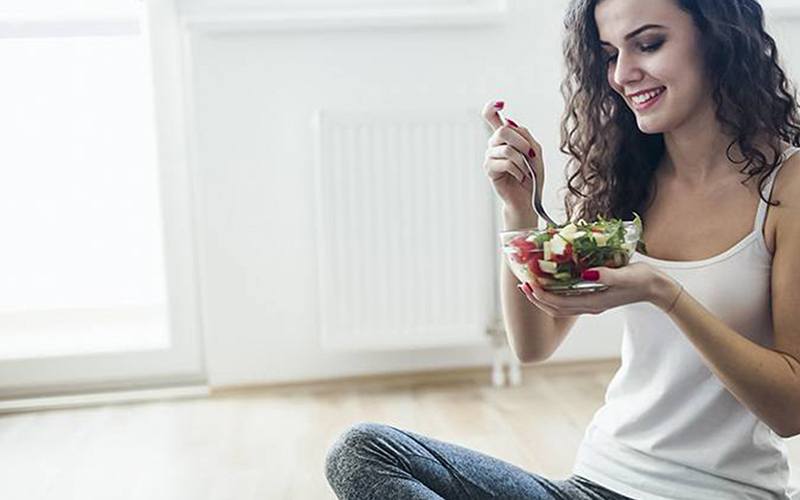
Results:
<point x="525" y="249"/>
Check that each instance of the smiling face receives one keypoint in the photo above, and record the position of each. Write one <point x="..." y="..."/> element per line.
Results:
<point x="654" y="61"/>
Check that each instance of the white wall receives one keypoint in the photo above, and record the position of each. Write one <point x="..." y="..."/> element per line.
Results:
<point x="255" y="85"/>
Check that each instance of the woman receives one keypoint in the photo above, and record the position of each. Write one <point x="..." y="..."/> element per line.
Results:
<point x="678" y="110"/>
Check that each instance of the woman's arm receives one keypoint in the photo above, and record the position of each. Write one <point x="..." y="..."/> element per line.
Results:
<point x="767" y="381"/>
<point x="532" y="333"/>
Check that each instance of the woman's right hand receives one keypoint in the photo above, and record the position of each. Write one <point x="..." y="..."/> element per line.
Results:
<point x="504" y="162"/>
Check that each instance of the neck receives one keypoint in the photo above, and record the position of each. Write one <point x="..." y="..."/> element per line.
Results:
<point x="696" y="152"/>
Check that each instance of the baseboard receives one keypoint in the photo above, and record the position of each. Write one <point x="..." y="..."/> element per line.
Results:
<point x="101" y="398"/>
<point x="394" y="380"/>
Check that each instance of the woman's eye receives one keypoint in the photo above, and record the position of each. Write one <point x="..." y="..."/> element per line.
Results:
<point x="652" y="47"/>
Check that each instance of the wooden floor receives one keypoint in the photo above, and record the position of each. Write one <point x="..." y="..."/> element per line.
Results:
<point x="269" y="444"/>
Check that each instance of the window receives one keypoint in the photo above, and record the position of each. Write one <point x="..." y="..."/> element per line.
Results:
<point x="82" y="261"/>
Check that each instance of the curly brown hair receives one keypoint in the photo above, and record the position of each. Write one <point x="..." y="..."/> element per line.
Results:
<point x="614" y="162"/>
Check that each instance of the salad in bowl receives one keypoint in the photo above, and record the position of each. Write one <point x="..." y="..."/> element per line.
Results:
<point x="557" y="255"/>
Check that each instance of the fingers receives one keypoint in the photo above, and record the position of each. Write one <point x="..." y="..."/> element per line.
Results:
<point x="542" y="296"/>
<point x="529" y="151"/>
<point x="558" y="306"/>
<point x="501" y="159"/>
<point x="550" y="310"/>
<point x="511" y="136"/>
<point x="497" y="168"/>
<point x="570" y="305"/>
<point x="512" y="150"/>
<point x="509" y="133"/>
<point x="537" y="148"/>
<point x="490" y="115"/>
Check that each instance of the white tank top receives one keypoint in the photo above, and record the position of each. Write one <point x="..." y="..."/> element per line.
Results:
<point x="669" y="429"/>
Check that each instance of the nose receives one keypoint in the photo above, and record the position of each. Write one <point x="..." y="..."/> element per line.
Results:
<point x="627" y="70"/>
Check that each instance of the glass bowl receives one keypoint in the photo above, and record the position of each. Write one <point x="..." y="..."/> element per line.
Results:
<point x="557" y="256"/>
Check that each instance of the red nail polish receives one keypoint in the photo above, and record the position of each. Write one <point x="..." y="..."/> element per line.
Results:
<point x="511" y="122"/>
<point x="499" y="104"/>
<point x="591" y="275"/>
<point x="532" y="153"/>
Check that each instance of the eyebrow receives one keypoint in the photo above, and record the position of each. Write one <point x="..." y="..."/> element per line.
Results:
<point x="637" y="31"/>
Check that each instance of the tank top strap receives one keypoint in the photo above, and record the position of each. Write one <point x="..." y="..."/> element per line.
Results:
<point x="761" y="214"/>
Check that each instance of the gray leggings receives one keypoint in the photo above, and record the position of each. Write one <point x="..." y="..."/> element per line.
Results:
<point x="374" y="461"/>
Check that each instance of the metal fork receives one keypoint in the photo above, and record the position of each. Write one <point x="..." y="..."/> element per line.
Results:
<point x="535" y="198"/>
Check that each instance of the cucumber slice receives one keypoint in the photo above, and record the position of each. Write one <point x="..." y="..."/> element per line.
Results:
<point x="548" y="266"/>
<point x="562" y="276"/>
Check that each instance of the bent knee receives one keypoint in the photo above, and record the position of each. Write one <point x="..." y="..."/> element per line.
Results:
<point x="342" y="458"/>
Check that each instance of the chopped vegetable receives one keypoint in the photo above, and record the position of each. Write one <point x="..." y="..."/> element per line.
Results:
<point x="559" y="255"/>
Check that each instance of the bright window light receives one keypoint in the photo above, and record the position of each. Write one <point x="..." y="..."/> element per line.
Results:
<point x="82" y="255"/>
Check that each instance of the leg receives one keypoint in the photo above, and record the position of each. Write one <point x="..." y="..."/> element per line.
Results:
<point x="373" y="461"/>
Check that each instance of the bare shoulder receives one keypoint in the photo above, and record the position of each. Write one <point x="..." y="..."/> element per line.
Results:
<point x="787" y="185"/>
<point x="786" y="190"/>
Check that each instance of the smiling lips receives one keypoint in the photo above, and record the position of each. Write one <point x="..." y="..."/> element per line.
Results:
<point x="643" y="99"/>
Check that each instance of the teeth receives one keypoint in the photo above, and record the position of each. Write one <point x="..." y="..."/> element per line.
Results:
<point x="642" y="98"/>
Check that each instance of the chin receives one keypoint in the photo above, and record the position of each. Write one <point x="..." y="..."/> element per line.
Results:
<point x="648" y="126"/>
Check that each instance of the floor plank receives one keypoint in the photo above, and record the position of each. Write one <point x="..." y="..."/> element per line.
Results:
<point x="269" y="443"/>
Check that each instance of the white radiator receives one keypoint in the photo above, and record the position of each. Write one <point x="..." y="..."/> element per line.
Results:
<point x="406" y="236"/>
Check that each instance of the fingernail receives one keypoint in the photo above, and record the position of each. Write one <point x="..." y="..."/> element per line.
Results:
<point x="532" y="153"/>
<point x="511" y="122"/>
<point x="591" y="275"/>
<point x="499" y="104"/>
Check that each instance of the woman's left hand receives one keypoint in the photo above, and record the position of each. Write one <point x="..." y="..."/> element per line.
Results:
<point x="637" y="282"/>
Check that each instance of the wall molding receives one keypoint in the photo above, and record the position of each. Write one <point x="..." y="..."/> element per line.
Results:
<point x="250" y="19"/>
